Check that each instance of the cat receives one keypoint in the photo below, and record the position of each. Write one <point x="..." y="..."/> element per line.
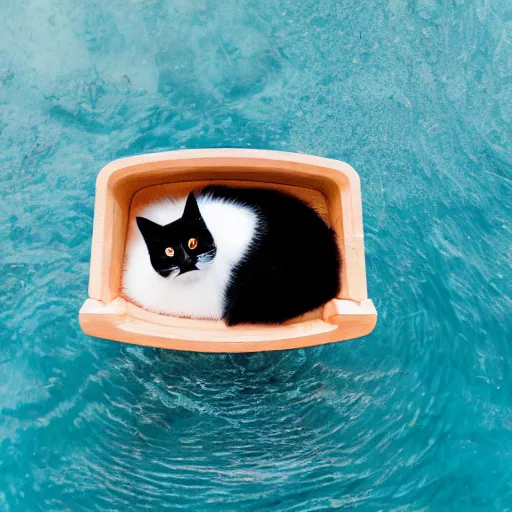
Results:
<point x="244" y="255"/>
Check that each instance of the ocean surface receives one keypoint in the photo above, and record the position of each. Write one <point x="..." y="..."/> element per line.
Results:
<point x="417" y="97"/>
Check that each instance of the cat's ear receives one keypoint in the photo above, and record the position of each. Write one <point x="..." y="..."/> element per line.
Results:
<point x="148" y="228"/>
<point x="191" y="211"/>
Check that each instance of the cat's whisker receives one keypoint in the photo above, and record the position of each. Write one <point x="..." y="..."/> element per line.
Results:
<point x="172" y="269"/>
<point x="207" y="256"/>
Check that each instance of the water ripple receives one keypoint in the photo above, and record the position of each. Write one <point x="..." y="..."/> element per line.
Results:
<point x="416" y="97"/>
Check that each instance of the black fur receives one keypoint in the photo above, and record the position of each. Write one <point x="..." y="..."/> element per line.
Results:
<point x="291" y="268"/>
<point x="176" y="236"/>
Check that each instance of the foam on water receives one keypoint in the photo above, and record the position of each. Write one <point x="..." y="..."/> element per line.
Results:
<point x="417" y="97"/>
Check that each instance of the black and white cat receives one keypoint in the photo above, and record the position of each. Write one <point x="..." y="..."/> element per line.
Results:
<point x="244" y="255"/>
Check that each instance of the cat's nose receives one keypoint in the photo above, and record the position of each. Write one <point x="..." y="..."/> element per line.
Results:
<point x="187" y="268"/>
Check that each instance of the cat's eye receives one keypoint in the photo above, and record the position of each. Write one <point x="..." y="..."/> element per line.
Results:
<point x="169" y="251"/>
<point x="192" y="243"/>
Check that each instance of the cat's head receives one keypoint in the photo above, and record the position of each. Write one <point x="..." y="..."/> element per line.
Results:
<point x="179" y="246"/>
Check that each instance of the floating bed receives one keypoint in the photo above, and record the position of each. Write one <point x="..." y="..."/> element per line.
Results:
<point x="124" y="186"/>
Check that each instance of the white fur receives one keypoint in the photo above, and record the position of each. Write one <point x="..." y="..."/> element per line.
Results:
<point x="197" y="294"/>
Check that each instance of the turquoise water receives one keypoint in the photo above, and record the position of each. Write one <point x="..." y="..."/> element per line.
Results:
<point x="417" y="97"/>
